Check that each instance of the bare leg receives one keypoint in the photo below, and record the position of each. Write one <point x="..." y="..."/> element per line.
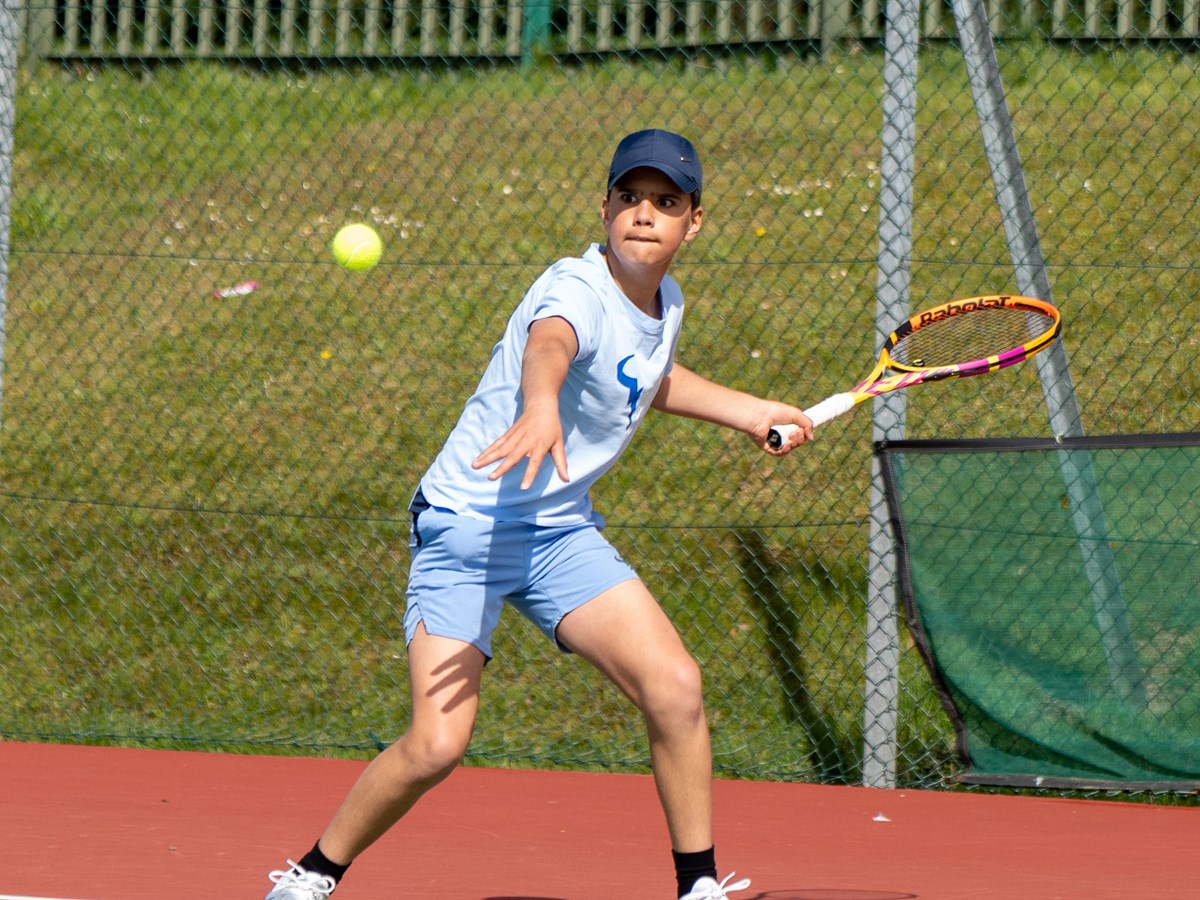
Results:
<point x="627" y="636"/>
<point x="445" y="675"/>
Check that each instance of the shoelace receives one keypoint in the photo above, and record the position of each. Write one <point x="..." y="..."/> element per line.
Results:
<point x="298" y="877"/>
<point x="721" y="891"/>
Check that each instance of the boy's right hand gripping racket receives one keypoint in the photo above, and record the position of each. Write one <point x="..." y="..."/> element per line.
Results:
<point x="955" y="340"/>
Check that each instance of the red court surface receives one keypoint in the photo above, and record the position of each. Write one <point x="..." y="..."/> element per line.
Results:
<point x="86" y="823"/>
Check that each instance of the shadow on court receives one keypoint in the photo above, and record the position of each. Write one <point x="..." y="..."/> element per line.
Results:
<point x="797" y="894"/>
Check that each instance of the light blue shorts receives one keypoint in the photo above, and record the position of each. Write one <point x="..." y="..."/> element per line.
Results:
<point x="464" y="570"/>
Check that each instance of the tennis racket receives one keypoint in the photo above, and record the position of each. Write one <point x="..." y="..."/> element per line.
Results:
<point x="955" y="340"/>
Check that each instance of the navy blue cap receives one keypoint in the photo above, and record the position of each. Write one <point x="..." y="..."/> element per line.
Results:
<point x="671" y="154"/>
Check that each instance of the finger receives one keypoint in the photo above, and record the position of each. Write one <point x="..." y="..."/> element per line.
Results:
<point x="559" y="454"/>
<point x="801" y="435"/>
<point x="531" y="470"/>
<point x="490" y="455"/>
<point x="507" y="464"/>
<point x="796" y="438"/>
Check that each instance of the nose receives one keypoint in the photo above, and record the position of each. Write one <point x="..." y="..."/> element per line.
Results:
<point x="643" y="213"/>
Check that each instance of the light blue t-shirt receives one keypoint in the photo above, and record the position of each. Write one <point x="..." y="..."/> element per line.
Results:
<point x="623" y="356"/>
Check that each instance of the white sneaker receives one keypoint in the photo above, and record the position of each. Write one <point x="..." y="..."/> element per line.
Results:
<point x="707" y="889"/>
<point x="300" y="884"/>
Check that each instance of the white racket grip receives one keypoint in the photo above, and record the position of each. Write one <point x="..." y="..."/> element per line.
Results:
<point x="829" y="408"/>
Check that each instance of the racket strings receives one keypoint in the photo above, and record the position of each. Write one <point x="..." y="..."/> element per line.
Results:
<point x="969" y="336"/>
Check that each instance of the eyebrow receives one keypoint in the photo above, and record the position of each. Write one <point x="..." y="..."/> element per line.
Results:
<point x="628" y="188"/>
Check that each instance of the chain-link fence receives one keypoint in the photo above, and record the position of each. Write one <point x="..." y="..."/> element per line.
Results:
<point x="211" y="432"/>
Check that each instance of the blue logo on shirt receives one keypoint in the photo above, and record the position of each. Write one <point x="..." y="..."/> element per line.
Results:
<point x="630" y="382"/>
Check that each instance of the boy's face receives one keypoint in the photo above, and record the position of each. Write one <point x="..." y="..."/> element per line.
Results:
<point x="647" y="218"/>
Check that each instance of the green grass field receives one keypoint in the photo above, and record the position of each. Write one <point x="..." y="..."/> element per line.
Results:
<point x="204" y="499"/>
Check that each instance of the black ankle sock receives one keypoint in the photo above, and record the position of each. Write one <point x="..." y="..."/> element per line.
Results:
<point x="691" y="867"/>
<point x="316" y="861"/>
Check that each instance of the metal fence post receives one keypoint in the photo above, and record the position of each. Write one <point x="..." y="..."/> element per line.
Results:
<point x="9" y="38"/>
<point x="881" y="707"/>
<point x="535" y="28"/>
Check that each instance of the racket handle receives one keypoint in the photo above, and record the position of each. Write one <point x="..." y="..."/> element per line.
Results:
<point x="829" y="408"/>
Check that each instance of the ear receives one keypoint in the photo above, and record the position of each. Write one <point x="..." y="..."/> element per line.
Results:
<point x="604" y="210"/>
<point x="694" y="227"/>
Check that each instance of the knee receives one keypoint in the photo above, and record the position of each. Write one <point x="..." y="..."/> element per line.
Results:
<point x="676" y="693"/>
<point x="434" y="754"/>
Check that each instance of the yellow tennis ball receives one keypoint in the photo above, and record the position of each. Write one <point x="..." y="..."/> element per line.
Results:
<point x="357" y="247"/>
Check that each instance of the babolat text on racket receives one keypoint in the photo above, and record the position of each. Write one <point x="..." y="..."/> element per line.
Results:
<point x="955" y="340"/>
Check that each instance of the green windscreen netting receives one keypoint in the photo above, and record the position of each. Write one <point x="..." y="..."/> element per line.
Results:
<point x="1053" y="589"/>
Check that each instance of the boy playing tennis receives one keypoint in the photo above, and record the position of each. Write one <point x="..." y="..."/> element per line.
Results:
<point x="584" y="355"/>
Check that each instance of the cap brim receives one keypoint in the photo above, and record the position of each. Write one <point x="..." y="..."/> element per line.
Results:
<point x="682" y="181"/>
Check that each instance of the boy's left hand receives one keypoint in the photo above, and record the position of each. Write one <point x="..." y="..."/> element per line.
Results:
<point x="534" y="436"/>
<point x="538" y="432"/>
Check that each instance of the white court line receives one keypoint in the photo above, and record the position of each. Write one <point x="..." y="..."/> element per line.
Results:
<point x="15" y="897"/>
